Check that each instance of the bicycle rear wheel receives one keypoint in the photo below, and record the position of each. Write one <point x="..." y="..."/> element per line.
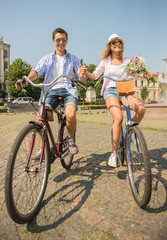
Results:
<point x="66" y="157"/>
<point x="25" y="183"/>
<point x="139" y="168"/>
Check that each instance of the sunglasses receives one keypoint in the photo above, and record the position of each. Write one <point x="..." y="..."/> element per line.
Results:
<point x="58" y="40"/>
<point x="114" y="42"/>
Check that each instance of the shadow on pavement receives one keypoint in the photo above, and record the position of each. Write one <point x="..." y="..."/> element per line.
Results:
<point x="79" y="190"/>
<point x="158" y="201"/>
<point x="79" y="181"/>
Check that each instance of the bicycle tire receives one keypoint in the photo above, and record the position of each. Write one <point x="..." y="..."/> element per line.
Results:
<point x="24" y="190"/>
<point x="139" y="170"/>
<point x="66" y="157"/>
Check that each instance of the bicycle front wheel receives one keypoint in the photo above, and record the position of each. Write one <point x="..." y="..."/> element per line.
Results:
<point x="26" y="181"/>
<point x="66" y="157"/>
<point x="139" y="168"/>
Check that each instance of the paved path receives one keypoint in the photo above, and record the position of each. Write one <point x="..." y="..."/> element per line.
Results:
<point x="91" y="201"/>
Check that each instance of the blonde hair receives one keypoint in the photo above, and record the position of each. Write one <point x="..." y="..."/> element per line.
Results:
<point x="107" y="51"/>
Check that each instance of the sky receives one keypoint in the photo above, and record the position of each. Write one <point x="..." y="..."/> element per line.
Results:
<point x="28" y="25"/>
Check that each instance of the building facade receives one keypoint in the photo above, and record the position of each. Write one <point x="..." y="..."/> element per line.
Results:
<point x="4" y="62"/>
<point x="157" y="92"/>
<point x="90" y="95"/>
<point x="153" y="89"/>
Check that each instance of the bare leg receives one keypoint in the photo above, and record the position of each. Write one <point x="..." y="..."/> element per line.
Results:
<point x="70" y="112"/>
<point x="114" y="108"/>
<point x="137" y="106"/>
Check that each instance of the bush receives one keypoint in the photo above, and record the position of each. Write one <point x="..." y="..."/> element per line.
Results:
<point x="3" y="110"/>
<point x="91" y="103"/>
<point x="1" y="103"/>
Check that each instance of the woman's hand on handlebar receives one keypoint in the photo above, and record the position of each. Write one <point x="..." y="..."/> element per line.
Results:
<point x="147" y="76"/>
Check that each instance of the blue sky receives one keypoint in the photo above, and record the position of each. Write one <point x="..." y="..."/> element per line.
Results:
<point x="28" y="25"/>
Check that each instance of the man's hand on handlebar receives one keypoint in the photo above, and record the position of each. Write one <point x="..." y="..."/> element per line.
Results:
<point x="19" y="83"/>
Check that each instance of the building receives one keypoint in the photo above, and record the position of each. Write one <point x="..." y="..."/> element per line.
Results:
<point x="4" y="62"/>
<point x="166" y="64"/>
<point x="153" y="89"/>
<point x="90" y="95"/>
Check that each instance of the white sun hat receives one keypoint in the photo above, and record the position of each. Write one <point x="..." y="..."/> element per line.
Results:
<point x="114" y="36"/>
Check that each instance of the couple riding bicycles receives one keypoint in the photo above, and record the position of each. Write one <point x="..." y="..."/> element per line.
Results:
<point x="112" y="64"/>
<point x="35" y="148"/>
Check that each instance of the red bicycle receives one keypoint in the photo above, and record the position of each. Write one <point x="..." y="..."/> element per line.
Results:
<point x="31" y="156"/>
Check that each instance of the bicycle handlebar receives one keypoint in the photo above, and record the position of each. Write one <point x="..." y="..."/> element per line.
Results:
<point x="42" y="85"/>
<point x="123" y="80"/>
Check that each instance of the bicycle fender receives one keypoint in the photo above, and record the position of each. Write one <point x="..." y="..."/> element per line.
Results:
<point x="130" y="123"/>
<point x="36" y="123"/>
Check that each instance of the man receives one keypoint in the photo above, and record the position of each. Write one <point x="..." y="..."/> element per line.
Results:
<point x="53" y="65"/>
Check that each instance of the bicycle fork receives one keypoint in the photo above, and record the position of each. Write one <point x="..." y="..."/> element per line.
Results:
<point x="36" y="170"/>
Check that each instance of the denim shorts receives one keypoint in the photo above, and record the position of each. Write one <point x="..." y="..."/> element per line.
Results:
<point x="52" y="98"/>
<point x="111" y="92"/>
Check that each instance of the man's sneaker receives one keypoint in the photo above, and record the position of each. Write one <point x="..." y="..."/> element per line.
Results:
<point x="112" y="161"/>
<point x="72" y="146"/>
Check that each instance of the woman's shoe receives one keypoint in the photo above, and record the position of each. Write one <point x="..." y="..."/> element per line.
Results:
<point x="112" y="161"/>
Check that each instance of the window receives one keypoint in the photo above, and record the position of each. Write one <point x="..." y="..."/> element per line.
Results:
<point x="142" y="83"/>
<point x="5" y="65"/>
<point x="5" y="54"/>
<point x="154" y="94"/>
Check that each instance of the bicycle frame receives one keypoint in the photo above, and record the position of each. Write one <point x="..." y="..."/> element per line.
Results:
<point x="127" y="125"/>
<point x="47" y="131"/>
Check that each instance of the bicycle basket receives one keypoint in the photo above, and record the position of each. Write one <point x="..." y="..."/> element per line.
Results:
<point x="125" y="88"/>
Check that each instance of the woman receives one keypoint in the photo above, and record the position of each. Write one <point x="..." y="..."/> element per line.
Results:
<point x="112" y="64"/>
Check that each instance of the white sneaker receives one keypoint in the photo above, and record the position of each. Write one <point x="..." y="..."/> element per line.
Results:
<point x="112" y="161"/>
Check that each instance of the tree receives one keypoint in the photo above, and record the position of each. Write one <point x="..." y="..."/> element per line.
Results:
<point x="17" y="70"/>
<point x="81" y="91"/>
<point x="144" y="93"/>
<point x="3" y="93"/>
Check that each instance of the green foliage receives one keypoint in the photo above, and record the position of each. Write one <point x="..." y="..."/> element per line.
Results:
<point x="91" y="83"/>
<point x="88" y="83"/>
<point x="162" y="91"/>
<point x="3" y="93"/>
<point x="102" y="103"/>
<point x="144" y="93"/>
<point x="17" y="70"/>
<point x="81" y="91"/>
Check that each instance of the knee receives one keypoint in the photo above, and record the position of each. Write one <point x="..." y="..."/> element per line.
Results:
<point x="141" y="109"/>
<point x="70" y="114"/>
<point x="118" y="120"/>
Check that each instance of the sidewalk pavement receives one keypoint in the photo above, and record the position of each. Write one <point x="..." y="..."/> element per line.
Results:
<point x="91" y="201"/>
